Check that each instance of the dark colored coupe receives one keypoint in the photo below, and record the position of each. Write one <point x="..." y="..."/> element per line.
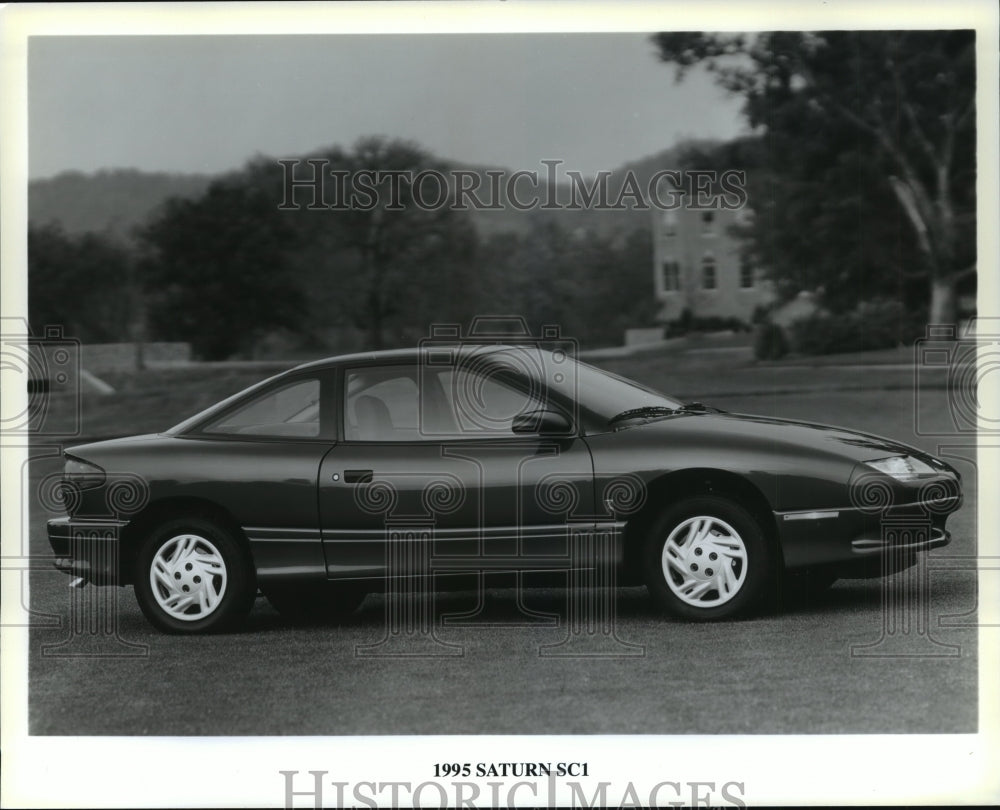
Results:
<point x="323" y="483"/>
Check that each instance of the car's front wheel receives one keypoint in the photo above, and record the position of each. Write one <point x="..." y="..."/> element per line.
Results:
<point x="193" y="577"/>
<point x="706" y="558"/>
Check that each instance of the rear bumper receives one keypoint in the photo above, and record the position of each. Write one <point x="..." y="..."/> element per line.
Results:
<point x="87" y="548"/>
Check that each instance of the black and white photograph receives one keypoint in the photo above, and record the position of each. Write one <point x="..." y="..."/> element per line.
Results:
<point x="450" y="404"/>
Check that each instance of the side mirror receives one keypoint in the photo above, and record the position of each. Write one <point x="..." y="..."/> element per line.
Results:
<point x="545" y="423"/>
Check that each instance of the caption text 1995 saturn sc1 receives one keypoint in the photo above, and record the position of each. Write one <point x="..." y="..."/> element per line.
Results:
<point x="318" y="485"/>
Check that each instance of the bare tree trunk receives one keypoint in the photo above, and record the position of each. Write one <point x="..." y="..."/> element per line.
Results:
<point x="374" y="271"/>
<point x="375" y="326"/>
<point x="137" y="305"/>
<point x="944" y="302"/>
<point x="376" y="306"/>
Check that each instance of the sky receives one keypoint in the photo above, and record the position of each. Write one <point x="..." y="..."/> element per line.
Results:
<point x="209" y="103"/>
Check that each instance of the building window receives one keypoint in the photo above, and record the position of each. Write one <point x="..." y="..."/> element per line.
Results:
<point x="671" y="276"/>
<point x="708" y="223"/>
<point x="669" y="223"/>
<point x="708" y="280"/>
<point x="746" y="273"/>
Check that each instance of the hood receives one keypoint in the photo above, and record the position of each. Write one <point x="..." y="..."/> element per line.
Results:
<point x="736" y="429"/>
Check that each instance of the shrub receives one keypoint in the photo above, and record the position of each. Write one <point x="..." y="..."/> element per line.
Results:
<point x="704" y="323"/>
<point x="769" y="342"/>
<point x="761" y="314"/>
<point x="875" y="324"/>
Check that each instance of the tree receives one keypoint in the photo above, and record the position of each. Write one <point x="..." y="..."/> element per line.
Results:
<point x="391" y="266"/>
<point x="594" y="286"/>
<point x="412" y="260"/>
<point x="897" y="107"/>
<point x="79" y="282"/>
<point x="215" y="270"/>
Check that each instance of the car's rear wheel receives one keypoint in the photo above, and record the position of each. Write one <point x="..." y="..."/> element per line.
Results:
<point x="317" y="602"/>
<point x="193" y="577"/>
<point x="706" y="558"/>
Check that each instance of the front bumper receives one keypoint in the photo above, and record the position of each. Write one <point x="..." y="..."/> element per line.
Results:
<point x="87" y="548"/>
<point x="859" y="542"/>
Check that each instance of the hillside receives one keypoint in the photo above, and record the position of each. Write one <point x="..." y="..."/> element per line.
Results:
<point x="116" y="201"/>
<point x="109" y="201"/>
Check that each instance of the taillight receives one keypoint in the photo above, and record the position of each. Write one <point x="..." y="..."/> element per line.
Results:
<point x="82" y="474"/>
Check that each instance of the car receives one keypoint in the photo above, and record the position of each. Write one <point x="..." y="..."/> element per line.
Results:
<point x="324" y="483"/>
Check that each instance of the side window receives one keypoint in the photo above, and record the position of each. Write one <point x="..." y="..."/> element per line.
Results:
<point x="381" y="404"/>
<point x="482" y="404"/>
<point x="292" y="410"/>
<point x="407" y="403"/>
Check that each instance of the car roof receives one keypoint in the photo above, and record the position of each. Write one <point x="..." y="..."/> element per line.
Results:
<point x="412" y="354"/>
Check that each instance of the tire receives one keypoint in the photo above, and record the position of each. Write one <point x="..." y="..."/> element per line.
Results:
<point x="316" y="603"/>
<point x="681" y="554"/>
<point x="192" y="576"/>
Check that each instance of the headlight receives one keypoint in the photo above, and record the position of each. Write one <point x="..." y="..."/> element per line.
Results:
<point x="902" y="468"/>
<point x="82" y="474"/>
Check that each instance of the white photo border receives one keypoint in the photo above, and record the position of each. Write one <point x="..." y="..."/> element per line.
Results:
<point x="243" y="771"/>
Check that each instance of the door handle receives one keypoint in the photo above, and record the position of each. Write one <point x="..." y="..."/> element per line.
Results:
<point x="358" y="476"/>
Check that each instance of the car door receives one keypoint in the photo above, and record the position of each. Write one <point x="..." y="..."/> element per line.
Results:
<point x="421" y="478"/>
<point x="259" y="459"/>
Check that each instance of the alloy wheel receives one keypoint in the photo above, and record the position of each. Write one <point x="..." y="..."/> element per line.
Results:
<point x="188" y="577"/>
<point x="704" y="561"/>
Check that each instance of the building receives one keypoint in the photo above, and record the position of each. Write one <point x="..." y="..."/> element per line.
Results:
<point x="698" y="266"/>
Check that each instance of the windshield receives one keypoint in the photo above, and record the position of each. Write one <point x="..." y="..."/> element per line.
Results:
<point x="601" y="393"/>
<point x="607" y="394"/>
